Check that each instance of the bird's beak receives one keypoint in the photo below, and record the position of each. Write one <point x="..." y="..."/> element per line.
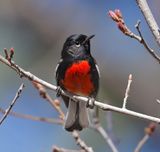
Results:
<point x="88" y="38"/>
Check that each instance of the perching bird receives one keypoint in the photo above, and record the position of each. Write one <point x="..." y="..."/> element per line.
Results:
<point x="77" y="73"/>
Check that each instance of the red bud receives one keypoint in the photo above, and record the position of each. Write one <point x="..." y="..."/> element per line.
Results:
<point x="122" y="27"/>
<point x="118" y="13"/>
<point x="113" y="16"/>
<point x="11" y="53"/>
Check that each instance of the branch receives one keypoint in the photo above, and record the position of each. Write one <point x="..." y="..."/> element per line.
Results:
<point x="34" y="118"/>
<point x="148" y="132"/>
<point x="141" y="143"/>
<point x="127" y="91"/>
<point x="125" y="30"/>
<point x="80" y="142"/>
<point x="143" y="5"/>
<point x="57" y="149"/>
<point x="98" y="127"/>
<point x="54" y="103"/>
<point x="150" y="50"/>
<point x="109" y="128"/>
<point x="100" y="105"/>
<point x="12" y="103"/>
<point x="22" y="73"/>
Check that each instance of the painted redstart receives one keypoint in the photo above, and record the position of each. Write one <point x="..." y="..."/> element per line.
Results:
<point x="77" y="73"/>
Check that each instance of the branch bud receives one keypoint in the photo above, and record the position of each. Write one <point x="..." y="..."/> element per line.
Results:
<point x="11" y="53"/>
<point x="118" y="13"/>
<point x="150" y="129"/>
<point x="122" y="27"/>
<point x="57" y="102"/>
<point x="113" y="16"/>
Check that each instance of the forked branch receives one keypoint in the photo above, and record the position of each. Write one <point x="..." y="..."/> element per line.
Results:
<point x="125" y="30"/>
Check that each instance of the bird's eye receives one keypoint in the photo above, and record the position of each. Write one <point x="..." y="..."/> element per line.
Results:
<point x="77" y="44"/>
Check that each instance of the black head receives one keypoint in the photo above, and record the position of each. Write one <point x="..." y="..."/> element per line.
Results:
<point x="76" y="46"/>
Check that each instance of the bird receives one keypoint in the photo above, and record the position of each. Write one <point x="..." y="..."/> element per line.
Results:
<point x="77" y="73"/>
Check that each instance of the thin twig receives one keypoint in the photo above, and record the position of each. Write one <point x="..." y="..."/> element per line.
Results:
<point x="127" y="91"/>
<point x="109" y="122"/>
<point x="140" y="39"/>
<point x="148" y="132"/>
<point x="141" y="143"/>
<point x="80" y="142"/>
<point x="109" y="127"/>
<point x="12" y="103"/>
<point x="54" y="103"/>
<point x="150" y="50"/>
<point x="107" y="138"/>
<point x="98" y="127"/>
<point x="57" y="149"/>
<point x="98" y="104"/>
<point x="34" y="118"/>
<point x="143" y="5"/>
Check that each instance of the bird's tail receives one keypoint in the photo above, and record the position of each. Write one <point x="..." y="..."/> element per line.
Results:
<point x="77" y="116"/>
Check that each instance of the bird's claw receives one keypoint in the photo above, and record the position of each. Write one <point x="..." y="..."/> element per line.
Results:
<point x="59" y="91"/>
<point x="90" y="103"/>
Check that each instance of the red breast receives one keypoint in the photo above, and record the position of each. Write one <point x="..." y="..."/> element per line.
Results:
<point x="77" y="79"/>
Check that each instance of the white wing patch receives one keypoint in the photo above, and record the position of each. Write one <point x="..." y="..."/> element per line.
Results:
<point x="98" y="70"/>
<point x="55" y="71"/>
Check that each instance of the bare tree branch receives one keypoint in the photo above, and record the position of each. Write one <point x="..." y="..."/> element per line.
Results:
<point x="141" y="143"/>
<point x="34" y="118"/>
<point x="141" y="39"/>
<point x="143" y="5"/>
<point x="54" y="103"/>
<point x="125" y="30"/>
<point x="80" y="142"/>
<point x="109" y="127"/>
<point x="98" y="127"/>
<point x="148" y="132"/>
<point x="150" y="50"/>
<point x="57" y="149"/>
<point x="12" y="103"/>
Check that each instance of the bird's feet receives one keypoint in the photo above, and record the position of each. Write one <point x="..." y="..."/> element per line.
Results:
<point x="90" y="103"/>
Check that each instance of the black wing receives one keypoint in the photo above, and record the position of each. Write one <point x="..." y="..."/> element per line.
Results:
<point x="59" y="75"/>
<point x="94" y="76"/>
